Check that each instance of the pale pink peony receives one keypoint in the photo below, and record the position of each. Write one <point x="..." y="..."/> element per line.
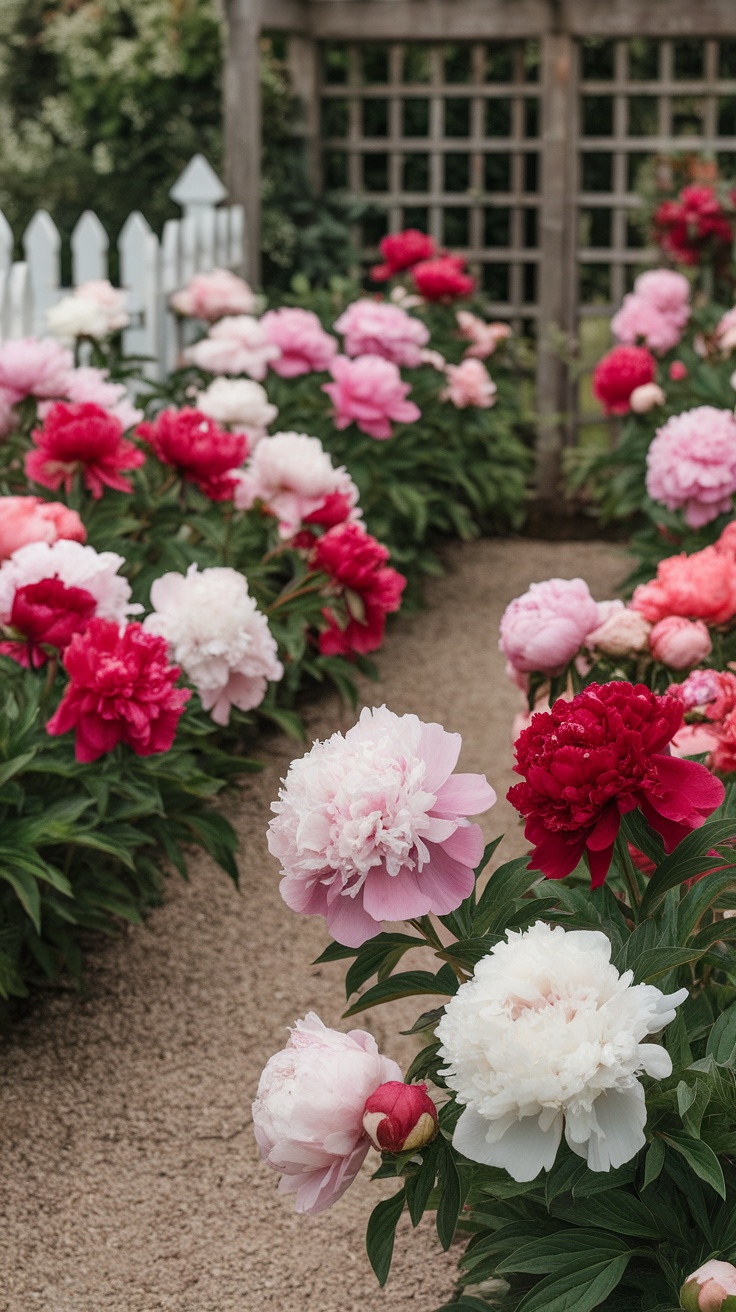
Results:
<point x="94" y="387"/>
<point x="694" y="740"/>
<point x="691" y="464"/>
<point x="304" y="345"/>
<point x="240" y="403"/>
<point x="293" y="476"/>
<point x="639" y="321"/>
<point x="369" y="392"/>
<point x="378" y="328"/>
<point x="680" y="643"/>
<point x="373" y="827"/>
<point x="94" y="309"/>
<point x="29" y="519"/>
<point x="469" y="383"/>
<point x="235" y="345"/>
<point x="35" y="366"/>
<point x="726" y="331"/>
<point x="308" y="1111"/>
<point x="667" y="290"/>
<point x="645" y="398"/>
<point x="75" y="566"/>
<point x="218" y="636"/>
<point x="543" y="629"/>
<point x="621" y="632"/>
<point x="483" y="337"/>
<point x="213" y="295"/>
<point x="712" y="1288"/>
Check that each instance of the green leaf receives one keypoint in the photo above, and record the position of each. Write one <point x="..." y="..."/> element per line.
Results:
<point x="451" y="1195"/>
<point x="622" y="1213"/>
<point x="721" y="1043"/>
<point x="405" y="985"/>
<point x="554" y="1252"/>
<point x="578" y="1289"/>
<point x="689" y="858"/>
<point x="499" y="897"/>
<point x="420" y="1185"/>
<point x="654" y="1162"/>
<point x="697" y="901"/>
<point x="700" y="1158"/>
<point x="26" y="890"/>
<point x="18" y="763"/>
<point x="658" y="961"/>
<point x="373" y="954"/>
<point x="381" y="1233"/>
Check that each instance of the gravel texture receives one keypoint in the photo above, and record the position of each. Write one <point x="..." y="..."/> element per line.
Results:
<point x="129" y="1180"/>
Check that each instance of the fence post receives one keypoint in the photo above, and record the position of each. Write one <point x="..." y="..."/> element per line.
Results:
<point x="42" y="244"/>
<point x="139" y="275"/>
<point x="6" y="244"/>
<point x="89" y="244"/>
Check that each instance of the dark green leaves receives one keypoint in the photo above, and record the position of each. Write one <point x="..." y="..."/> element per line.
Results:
<point x="381" y="1233"/>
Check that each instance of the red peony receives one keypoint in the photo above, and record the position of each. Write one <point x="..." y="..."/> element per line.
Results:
<point x="82" y="439"/>
<point x="334" y="510"/>
<point x="201" y="451"/>
<point x="695" y="220"/>
<point x="49" y="612"/>
<point x="442" y="279"/>
<point x="356" y="563"/>
<point x="588" y="761"/>
<point x="617" y="375"/>
<point x="401" y="251"/>
<point x="121" y="690"/>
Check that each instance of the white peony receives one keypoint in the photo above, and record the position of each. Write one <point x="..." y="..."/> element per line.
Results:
<point x="294" y="477"/>
<point x="239" y="402"/>
<point x="77" y="316"/>
<point x="547" y="1035"/>
<point x="74" y="565"/>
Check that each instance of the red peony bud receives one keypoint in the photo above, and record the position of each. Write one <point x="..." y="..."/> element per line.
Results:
<point x="712" y="1288"/>
<point x="400" y="1117"/>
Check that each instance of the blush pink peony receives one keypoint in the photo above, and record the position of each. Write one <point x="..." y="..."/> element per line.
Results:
<point x="35" y="366"/>
<point x="213" y="295"/>
<point x="304" y="345"/>
<point x="292" y="475"/>
<point x="372" y="826"/>
<point x="483" y="337"/>
<point x="469" y="383"/>
<point x="87" y="385"/>
<point x="94" y="309"/>
<point x="680" y="643"/>
<point x="639" y="321"/>
<point x="240" y="403"/>
<point x="712" y="1288"/>
<point x="379" y="328"/>
<point x="621" y="631"/>
<point x="667" y="290"/>
<point x="369" y="392"/>
<point x="691" y="464"/>
<point x="543" y="629"/>
<point x="308" y="1111"/>
<point x="699" y="587"/>
<point x="29" y="519"/>
<point x="235" y="345"/>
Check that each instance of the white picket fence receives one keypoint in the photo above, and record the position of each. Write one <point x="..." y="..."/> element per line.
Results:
<point x="209" y="235"/>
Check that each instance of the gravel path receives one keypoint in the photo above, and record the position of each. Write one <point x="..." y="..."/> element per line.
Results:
<point x="129" y="1180"/>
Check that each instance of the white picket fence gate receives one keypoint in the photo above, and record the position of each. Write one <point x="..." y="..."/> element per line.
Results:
<point x="209" y="235"/>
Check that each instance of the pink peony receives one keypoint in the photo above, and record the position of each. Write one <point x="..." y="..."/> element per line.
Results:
<point x="667" y="290"/>
<point x="235" y="345"/>
<point x="639" y="321"/>
<point x="369" y="392"/>
<point x="294" y="478"/>
<point x="680" y="643"/>
<point x="621" y="631"/>
<point x="33" y="366"/>
<point x="372" y="826"/>
<point x="304" y="345"/>
<point x="543" y="629"/>
<point x="699" y="587"/>
<point x="379" y="328"/>
<point x="691" y="464"/>
<point x="29" y="519"/>
<point x="469" y="383"/>
<point x="725" y="333"/>
<point x="93" y="386"/>
<point x="645" y="398"/>
<point x="483" y="337"/>
<point x="95" y="309"/>
<point x="712" y="1288"/>
<point x="81" y="440"/>
<point x="727" y="540"/>
<point x="213" y="295"/>
<point x="699" y="688"/>
<point x="308" y="1111"/>
<point x="694" y="740"/>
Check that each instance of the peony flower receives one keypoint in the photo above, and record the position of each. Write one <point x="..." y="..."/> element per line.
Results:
<point x="483" y="337"/>
<point x="547" y="1036"/>
<point x="469" y="383"/>
<point x="373" y="826"/>
<point x="400" y="251"/>
<point x="121" y="690"/>
<point x="639" y="320"/>
<point x="218" y="636"/>
<point x="93" y="386"/>
<point x="81" y="439"/>
<point x="667" y="290"/>
<point x="699" y="587"/>
<point x="727" y="540"/>
<point x="240" y="403"/>
<point x="29" y="519"/>
<point x="699" y="688"/>
<point x="678" y="371"/>
<point x="292" y="475"/>
<point x="359" y="571"/>
<point x="691" y="464"/>
<point x="712" y="1288"/>
<point x="213" y="295"/>
<point x="400" y="1118"/>
<point x="434" y="359"/>
<point x="32" y="366"/>
<point x="691" y="223"/>
<point x="369" y="392"/>
<point x="645" y="398"/>
<point x="618" y="374"/>
<point x="235" y="345"/>
<point x="379" y="328"/>
<point x="94" y="309"/>
<point x="301" y="339"/>
<point x="200" y="452"/>
<point x="594" y="758"/>
<point x="543" y="629"/>
<point x="308" y="1110"/>
<point x="443" y="278"/>
<point x="621" y="631"/>
<point x="680" y="643"/>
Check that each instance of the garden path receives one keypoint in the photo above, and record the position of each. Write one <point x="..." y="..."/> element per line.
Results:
<point x="129" y="1180"/>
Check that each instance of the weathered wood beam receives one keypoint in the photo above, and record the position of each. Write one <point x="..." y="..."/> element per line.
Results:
<point x="242" y="113"/>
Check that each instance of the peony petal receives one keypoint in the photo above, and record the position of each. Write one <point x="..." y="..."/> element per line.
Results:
<point x="621" y="1116"/>
<point x="349" y="922"/>
<point x="465" y="845"/>
<point x="446" y="881"/>
<point x="395" y="897"/>
<point x="464" y="794"/>
<point x="440" y="750"/>
<point x="523" y="1150"/>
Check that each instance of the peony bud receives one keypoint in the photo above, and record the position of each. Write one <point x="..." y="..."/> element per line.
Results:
<point x="644" y="398"/>
<point x="712" y="1288"/>
<point x="678" y="371"/>
<point x="399" y="1118"/>
<point x="679" y="643"/>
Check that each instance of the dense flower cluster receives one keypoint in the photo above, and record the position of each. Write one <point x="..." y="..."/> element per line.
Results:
<point x="293" y="478"/>
<point x="214" y="295"/>
<point x="692" y="223"/>
<point x="655" y="313"/>
<point x="401" y="251"/>
<point x="236" y="344"/>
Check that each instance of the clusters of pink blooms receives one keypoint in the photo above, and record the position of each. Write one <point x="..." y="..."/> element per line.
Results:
<point x="691" y="464"/>
<point x="379" y="328"/>
<point x="655" y="313"/>
<point x="29" y="519"/>
<point x="236" y="344"/>
<point x="369" y="392"/>
<point x="211" y="296"/>
<point x="304" y="345"/>
<point x="469" y="383"/>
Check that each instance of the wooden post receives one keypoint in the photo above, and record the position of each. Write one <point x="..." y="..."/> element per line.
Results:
<point x="242" y="109"/>
<point x="304" y="77"/>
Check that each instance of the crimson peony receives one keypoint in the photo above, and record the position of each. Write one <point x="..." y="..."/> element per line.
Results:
<point x="356" y="563"/>
<point x="589" y="761"/>
<point x="695" y="221"/>
<point x="400" y="251"/>
<point x="47" y="613"/>
<point x="199" y="450"/>
<point x="618" y="374"/>
<point x="442" y="279"/>
<point x="121" y="690"/>
<point x="82" y="439"/>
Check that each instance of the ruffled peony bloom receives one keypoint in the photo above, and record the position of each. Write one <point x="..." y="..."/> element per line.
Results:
<point x="359" y="571"/>
<point x="400" y="251"/>
<point x="645" y="398"/>
<point x="373" y="826"/>
<point x="235" y="345"/>
<point x="680" y="643"/>
<point x="200" y="452"/>
<point x="292" y="475"/>
<point x="121" y="690"/>
<point x="400" y="1118"/>
<point x="712" y="1288"/>
<point x="691" y="464"/>
<point x="304" y="345"/>
<point x="443" y="278"/>
<point x="668" y="291"/>
<point x="218" y="636"/>
<point x="33" y="366"/>
<point x="483" y="337"/>
<point x="93" y="386"/>
<point x="240" y="403"/>
<point x="369" y="392"/>
<point x="639" y="320"/>
<point x="380" y="328"/>
<point x="469" y="383"/>
<point x="81" y="439"/>
<point x="548" y="1036"/>
<point x="617" y="375"/>
<point x="308" y="1111"/>
<point x="594" y="758"/>
<point x="699" y="587"/>
<point x="692" y="223"/>
<point x="95" y="309"/>
<point x="543" y="629"/>
<point x="29" y="519"/>
<point x="621" y="631"/>
<point x="213" y="295"/>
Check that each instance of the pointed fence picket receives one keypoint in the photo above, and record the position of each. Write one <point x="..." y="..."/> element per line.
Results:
<point x="210" y="234"/>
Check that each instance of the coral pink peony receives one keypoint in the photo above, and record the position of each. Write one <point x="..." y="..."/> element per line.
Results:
<point x="443" y="278"/>
<point x="645" y="398"/>
<point x="373" y="826"/>
<point x="691" y="464"/>
<point x="483" y="337"/>
<point x="200" y="451"/>
<point x="621" y="631"/>
<point x="698" y="587"/>
<point x="32" y="366"/>
<point x="293" y="477"/>
<point x="212" y="295"/>
<point x="400" y="251"/>
<point x="680" y="643"/>
<point x="469" y="383"/>
<point x="369" y="392"/>
<point x="357" y="566"/>
<point x="543" y="629"/>
<point x="29" y="519"/>
<point x="712" y="1288"/>
<point x="400" y="1118"/>
<point x="379" y="328"/>
<point x="81" y="439"/>
<point x="304" y="345"/>
<point x="727" y="540"/>
<point x="677" y="371"/>
<point x="618" y="373"/>
<point x="235" y="345"/>
<point x="93" y="385"/>
<point x="592" y="759"/>
<point x="308" y="1111"/>
<point x="121" y="690"/>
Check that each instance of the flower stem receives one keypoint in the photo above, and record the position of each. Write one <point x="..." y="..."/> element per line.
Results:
<point x="291" y="596"/>
<point x="630" y="875"/>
